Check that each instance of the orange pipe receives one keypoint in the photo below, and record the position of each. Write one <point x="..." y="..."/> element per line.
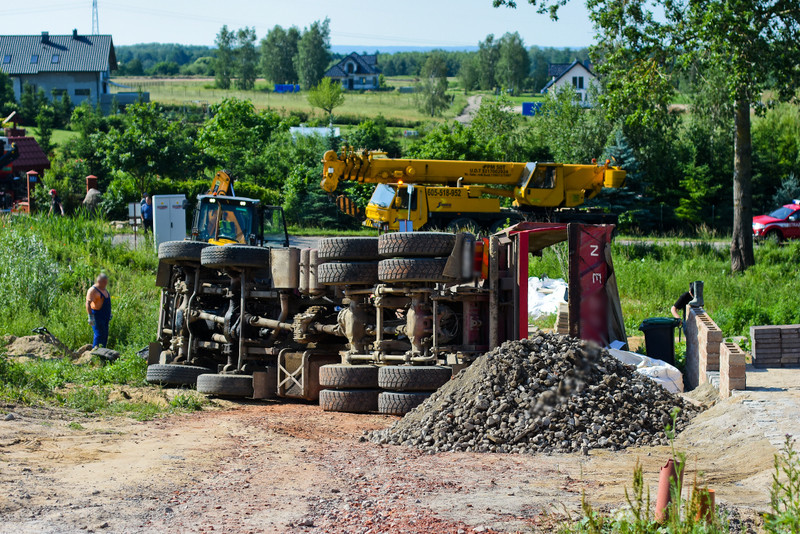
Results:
<point x="706" y="505"/>
<point x="665" y="480"/>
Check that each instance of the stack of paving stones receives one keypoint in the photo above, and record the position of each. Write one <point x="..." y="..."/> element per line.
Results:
<point x="548" y="393"/>
<point x="775" y="345"/>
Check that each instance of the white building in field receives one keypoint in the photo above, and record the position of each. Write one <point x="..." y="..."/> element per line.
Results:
<point x="578" y="75"/>
<point x="356" y="72"/>
<point x="78" y="65"/>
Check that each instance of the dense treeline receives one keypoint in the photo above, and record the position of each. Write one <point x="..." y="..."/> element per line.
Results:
<point x="294" y="55"/>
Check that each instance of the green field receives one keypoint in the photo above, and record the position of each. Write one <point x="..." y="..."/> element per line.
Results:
<point x="390" y="104"/>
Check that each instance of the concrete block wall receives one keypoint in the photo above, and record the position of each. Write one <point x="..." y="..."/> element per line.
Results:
<point x="703" y="340"/>
<point x="732" y="369"/>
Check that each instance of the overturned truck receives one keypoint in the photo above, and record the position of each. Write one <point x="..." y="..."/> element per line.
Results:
<point x="361" y="324"/>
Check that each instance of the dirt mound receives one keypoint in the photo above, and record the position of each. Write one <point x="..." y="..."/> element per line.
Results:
<point x="550" y="393"/>
<point x="32" y="347"/>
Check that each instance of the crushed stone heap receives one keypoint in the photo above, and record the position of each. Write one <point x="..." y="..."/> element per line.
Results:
<point x="549" y="393"/>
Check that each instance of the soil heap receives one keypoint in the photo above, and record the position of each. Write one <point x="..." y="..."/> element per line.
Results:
<point x="549" y="393"/>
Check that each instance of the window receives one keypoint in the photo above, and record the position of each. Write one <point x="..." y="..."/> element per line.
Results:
<point x="577" y="82"/>
<point x="7" y="59"/>
<point x="55" y="59"/>
<point x="83" y="92"/>
<point x="34" y="59"/>
<point x="363" y="81"/>
<point x="59" y="92"/>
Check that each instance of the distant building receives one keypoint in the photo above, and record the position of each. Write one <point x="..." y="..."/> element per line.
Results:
<point x="356" y="72"/>
<point x="78" y="65"/>
<point x="578" y="75"/>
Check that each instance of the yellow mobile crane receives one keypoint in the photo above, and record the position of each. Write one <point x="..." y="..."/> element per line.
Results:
<point x="459" y="194"/>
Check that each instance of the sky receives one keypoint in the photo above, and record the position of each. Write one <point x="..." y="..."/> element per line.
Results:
<point x="359" y="23"/>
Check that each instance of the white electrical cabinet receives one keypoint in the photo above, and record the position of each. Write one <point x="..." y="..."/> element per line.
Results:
<point x="169" y="218"/>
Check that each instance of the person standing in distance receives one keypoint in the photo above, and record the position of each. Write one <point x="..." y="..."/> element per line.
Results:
<point x="98" y="306"/>
<point x="147" y="213"/>
<point x="56" y="207"/>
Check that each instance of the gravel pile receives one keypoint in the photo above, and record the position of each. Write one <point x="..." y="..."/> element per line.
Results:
<point x="549" y="393"/>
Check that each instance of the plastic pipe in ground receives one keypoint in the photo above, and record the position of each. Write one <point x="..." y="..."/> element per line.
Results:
<point x="706" y="505"/>
<point x="668" y="473"/>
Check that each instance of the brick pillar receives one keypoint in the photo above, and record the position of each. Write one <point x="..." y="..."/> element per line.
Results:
<point x="703" y="338"/>
<point x="732" y="369"/>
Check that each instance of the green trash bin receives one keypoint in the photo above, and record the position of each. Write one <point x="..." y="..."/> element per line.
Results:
<point x="659" y="337"/>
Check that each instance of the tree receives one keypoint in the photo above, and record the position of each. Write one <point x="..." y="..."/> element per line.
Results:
<point x="513" y="63"/>
<point x="757" y="40"/>
<point x="327" y="96"/>
<point x="62" y="108"/>
<point x="30" y="102"/>
<point x="246" y="58"/>
<point x="788" y="192"/>
<point x="432" y="87"/>
<point x="573" y="133"/>
<point x="313" y="53"/>
<point x="8" y="101"/>
<point x="147" y="145"/>
<point x="134" y="67"/>
<point x="164" y="68"/>
<point x="45" y="120"/>
<point x="468" y="74"/>
<point x="278" y="50"/>
<point x="224" y="63"/>
<point x="488" y="55"/>
<point x="373" y="134"/>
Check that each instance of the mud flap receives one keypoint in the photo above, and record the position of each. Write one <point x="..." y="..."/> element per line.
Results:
<point x="163" y="274"/>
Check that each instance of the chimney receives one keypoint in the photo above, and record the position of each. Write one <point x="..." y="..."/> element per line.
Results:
<point x="45" y="37"/>
<point x="75" y="34"/>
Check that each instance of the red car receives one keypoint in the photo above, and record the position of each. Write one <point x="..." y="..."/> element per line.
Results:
<point x="783" y="223"/>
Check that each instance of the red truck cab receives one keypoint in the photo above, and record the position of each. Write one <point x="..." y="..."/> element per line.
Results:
<point x="783" y="223"/>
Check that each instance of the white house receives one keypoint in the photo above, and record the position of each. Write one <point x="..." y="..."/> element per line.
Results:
<point x="356" y="72"/>
<point x="578" y="75"/>
<point x="78" y="65"/>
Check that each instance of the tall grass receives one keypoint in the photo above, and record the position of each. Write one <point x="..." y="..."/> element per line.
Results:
<point x="48" y="263"/>
<point x="651" y="277"/>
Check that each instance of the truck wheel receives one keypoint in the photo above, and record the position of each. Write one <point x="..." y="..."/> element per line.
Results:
<point x="416" y="244"/>
<point x="348" y="273"/>
<point x="174" y="375"/>
<point x="239" y="256"/>
<point x="413" y="378"/>
<point x="225" y="385"/>
<point x="180" y="251"/>
<point x="349" y="400"/>
<point x="343" y="376"/>
<point x="349" y="248"/>
<point x="412" y="270"/>
<point x="393" y="403"/>
<point x="774" y="236"/>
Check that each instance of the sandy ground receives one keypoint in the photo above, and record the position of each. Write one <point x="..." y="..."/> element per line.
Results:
<point x="289" y="467"/>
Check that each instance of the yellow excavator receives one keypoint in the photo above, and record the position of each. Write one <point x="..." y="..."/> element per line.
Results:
<point x="418" y="193"/>
<point x="222" y="218"/>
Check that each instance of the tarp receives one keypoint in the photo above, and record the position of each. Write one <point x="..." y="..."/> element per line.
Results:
<point x="544" y="296"/>
<point x="659" y="371"/>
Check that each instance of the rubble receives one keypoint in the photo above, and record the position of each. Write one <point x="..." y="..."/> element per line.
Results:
<point x="549" y="393"/>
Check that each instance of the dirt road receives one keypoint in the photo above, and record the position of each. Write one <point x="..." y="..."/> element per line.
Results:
<point x="473" y="104"/>
<point x="278" y="467"/>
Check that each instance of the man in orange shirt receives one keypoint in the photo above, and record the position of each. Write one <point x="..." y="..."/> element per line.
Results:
<point x="98" y="306"/>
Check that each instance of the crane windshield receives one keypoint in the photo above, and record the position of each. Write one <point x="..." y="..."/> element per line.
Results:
<point x="383" y="196"/>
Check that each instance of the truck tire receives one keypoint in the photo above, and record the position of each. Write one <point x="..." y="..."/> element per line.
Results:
<point x="174" y="375"/>
<point x="343" y="376"/>
<point x="181" y="251"/>
<point x="348" y="248"/>
<point x="412" y="270"/>
<point x="349" y="400"/>
<point x="394" y="403"/>
<point x="416" y="244"/>
<point x="238" y="256"/>
<point x="413" y="378"/>
<point x="348" y="273"/>
<point x="225" y="385"/>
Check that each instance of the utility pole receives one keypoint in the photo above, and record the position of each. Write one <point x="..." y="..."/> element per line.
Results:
<point x="95" y="19"/>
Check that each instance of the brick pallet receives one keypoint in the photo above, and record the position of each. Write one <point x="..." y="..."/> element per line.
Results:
<point x="775" y="345"/>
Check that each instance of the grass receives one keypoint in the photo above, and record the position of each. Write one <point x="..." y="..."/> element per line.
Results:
<point x="48" y="263"/>
<point x="60" y="137"/>
<point x="313" y="231"/>
<point x="651" y="277"/>
<point x="393" y="104"/>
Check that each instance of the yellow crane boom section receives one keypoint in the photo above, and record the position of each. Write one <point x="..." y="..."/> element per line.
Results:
<point x="524" y="182"/>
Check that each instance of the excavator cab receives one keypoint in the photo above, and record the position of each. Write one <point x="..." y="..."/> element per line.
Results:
<point x="221" y="220"/>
